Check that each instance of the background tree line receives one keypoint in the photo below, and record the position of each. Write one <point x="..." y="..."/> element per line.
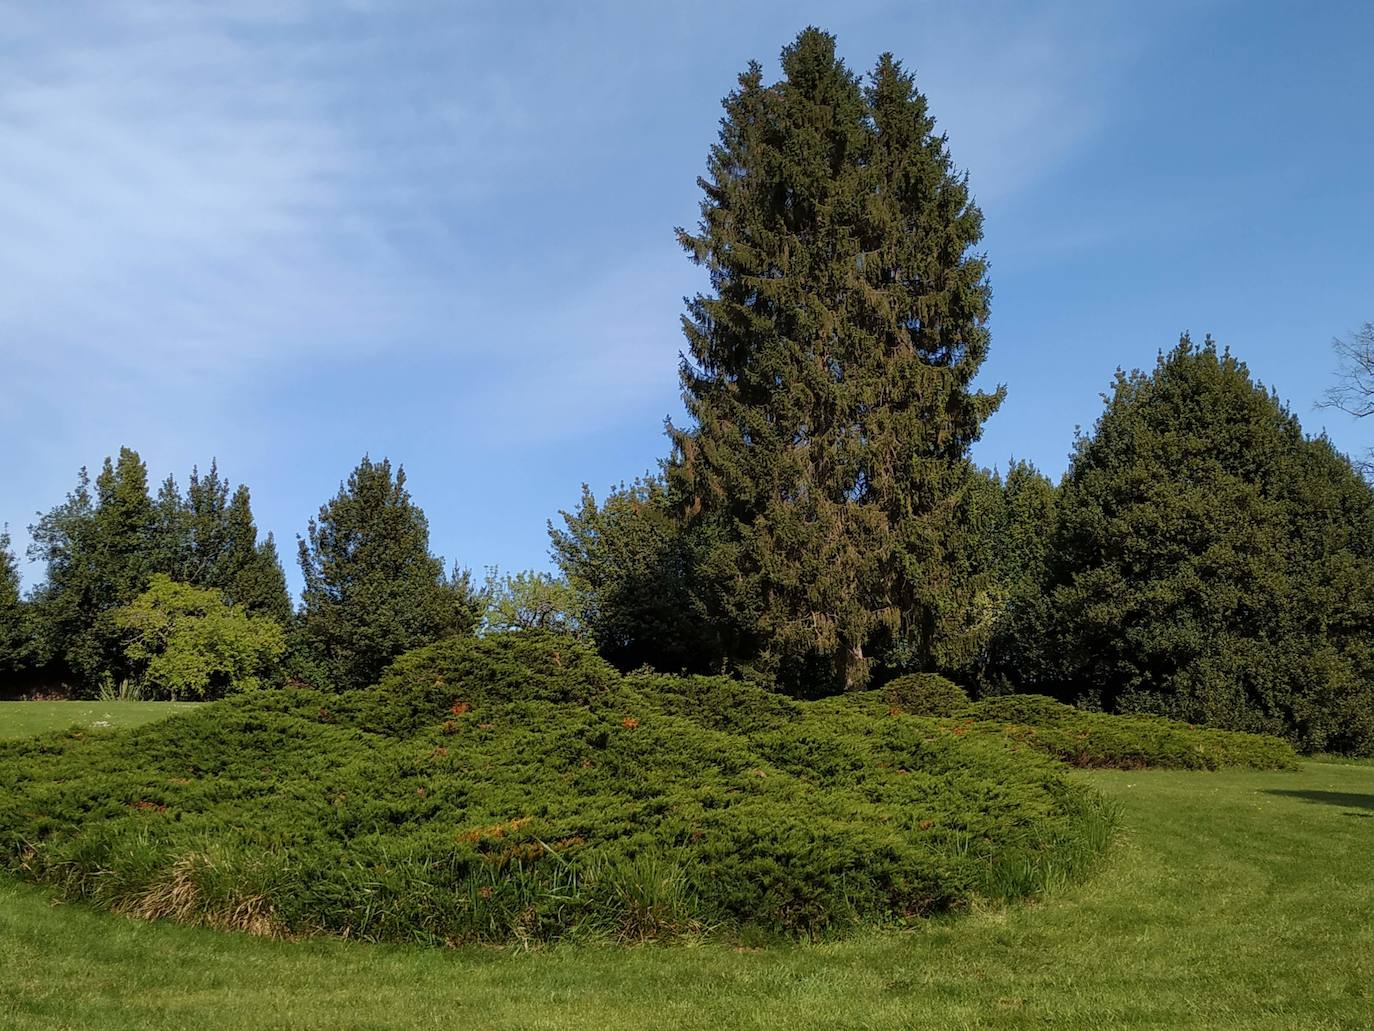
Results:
<point x="817" y="526"/>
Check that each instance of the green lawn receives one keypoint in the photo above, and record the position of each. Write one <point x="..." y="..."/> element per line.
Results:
<point x="22" y="719"/>
<point x="1235" y="899"/>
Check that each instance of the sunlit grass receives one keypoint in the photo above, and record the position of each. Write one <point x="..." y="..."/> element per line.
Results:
<point x="23" y="719"/>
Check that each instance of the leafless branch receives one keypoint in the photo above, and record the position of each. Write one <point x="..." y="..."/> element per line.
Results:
<point x="1354" y="390"/>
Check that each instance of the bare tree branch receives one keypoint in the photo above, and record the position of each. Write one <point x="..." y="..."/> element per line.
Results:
<point x="1354" y="389"/>
<point x="1354" y="392"/>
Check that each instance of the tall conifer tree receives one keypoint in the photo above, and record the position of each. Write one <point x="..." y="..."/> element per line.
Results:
<point x="209" y="539"/>
<point x="829" y="369"/>
<point x="99" y="552"/>
<point x="249" y="571"/>
<point x="372" y="588"/>
<point x="14" y="644"/>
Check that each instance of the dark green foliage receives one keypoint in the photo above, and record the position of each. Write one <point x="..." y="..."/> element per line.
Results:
<point x="99" y="550"/>
<point x="1083" y="738"/>
<point x="925" y="694"/>
<point x="372" y="588"/>
<point x="1078" y="736"/>
<point x="517" y="789"/>
<point x="259" y="584"/>
<point x="719" y="703"/>
<point x="15" y="645"/>
<point x="829" y="372"/>
<point x="1212" y="564"/>
<point x="528" y="666"/>
<point x="209" y="539"/>
<point x="635" y="566"/>
<point x="1019" y="533"/>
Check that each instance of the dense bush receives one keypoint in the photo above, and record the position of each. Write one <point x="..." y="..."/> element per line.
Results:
<point x="1088" y="739"/>
<point x="926" y="694"/>
<point x="1083" y="738"/>
<point x="516" y="788"/>
<point x="185" y="642"/>
<point x="1211" y="563"/>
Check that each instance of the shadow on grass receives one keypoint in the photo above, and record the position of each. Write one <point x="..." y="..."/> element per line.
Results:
<point x="1348" y="799"/>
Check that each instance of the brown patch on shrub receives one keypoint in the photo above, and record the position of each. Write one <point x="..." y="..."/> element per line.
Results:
<point x="495" y="832"/>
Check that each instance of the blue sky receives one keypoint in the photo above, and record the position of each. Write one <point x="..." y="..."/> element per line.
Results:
<point x="288" y="233"/>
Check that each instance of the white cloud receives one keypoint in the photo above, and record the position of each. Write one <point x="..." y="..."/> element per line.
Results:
<point x="168" y="196"/>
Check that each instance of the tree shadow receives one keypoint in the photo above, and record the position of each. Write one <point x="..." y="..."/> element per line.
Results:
<point x="1348" y="799"/>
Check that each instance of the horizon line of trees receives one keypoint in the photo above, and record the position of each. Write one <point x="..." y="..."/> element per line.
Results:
<point x="819" y="525"/>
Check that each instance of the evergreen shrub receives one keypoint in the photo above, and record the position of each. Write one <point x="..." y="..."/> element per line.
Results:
<point x="516" y="789"/>
<point x="1083" y="738"/>
<point x="926" y="694"/>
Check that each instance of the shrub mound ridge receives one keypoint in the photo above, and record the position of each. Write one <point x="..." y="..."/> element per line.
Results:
<point x="517" y="789"/>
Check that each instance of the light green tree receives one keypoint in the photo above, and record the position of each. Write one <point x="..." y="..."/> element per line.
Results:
<point x="531" y="601"/>
<point x="186" y="642"/>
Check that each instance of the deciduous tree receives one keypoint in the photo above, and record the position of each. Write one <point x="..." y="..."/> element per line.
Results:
<point x="529" y="600"/>
<point x="1354" y="389"/>
<point x="185" y="642"/>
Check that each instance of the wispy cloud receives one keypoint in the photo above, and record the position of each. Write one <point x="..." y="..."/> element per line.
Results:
<point x="171" y="201"/>
<point x="1019" y="87"/>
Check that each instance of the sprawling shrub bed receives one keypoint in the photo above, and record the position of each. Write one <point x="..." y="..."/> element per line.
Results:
<point x="518" y="789"/>
<point x="1083" y="738"/>
<point x="1080" y="737"/>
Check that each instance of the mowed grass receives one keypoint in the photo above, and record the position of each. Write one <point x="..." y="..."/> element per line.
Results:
<point x="24" y="719"/>
<point x="1236" y="899"/>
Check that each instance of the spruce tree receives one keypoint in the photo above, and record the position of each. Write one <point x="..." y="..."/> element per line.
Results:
<point x="829" y="369"/>
<point x="170" y="530"/>
<point x="207" y="529"/>
<point x="208" y="538"/>
<point x="1016" y="658"/>
<point x="249" y="571"/>
<point x="372" y="588"/>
